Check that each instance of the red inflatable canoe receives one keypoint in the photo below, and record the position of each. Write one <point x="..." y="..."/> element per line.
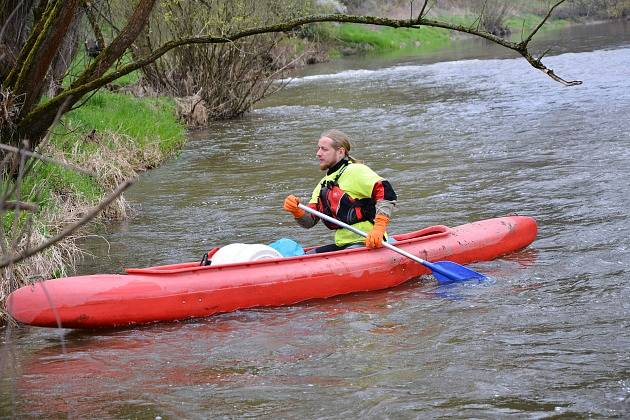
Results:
<point x="188" y="290"/>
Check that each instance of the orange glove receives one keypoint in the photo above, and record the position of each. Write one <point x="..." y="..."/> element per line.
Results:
<point x="375" y="236"/>
<point x="291" y="205"/>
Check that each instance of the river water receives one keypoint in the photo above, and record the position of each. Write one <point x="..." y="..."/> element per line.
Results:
<point x="464" y="134"/>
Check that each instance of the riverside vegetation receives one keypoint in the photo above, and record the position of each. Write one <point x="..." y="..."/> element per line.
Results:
<point x="109" y="139"/>
<point x="112" y="136"/>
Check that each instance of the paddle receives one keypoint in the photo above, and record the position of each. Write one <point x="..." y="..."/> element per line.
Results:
<point x="443" y="271"/>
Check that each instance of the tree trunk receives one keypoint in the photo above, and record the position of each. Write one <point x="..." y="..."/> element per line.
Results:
<point x="32" y="69"/>
<point x="120" y="44"/>
<point x="34" y="121"/>
<point x="16" y="17"/>
<point x="64" y="57"/>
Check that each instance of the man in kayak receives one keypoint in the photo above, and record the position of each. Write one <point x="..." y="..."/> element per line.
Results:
<point x="350" y="192"/>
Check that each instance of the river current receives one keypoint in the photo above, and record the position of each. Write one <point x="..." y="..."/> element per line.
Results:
<point x="463" y="135"/>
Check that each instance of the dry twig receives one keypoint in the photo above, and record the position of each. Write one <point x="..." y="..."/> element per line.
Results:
<point x="70" y="229"/>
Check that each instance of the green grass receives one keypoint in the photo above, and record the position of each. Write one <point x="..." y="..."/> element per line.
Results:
<point x="382" y="39"/>
<point x="148" y="120"/>
<point x="52" y="177"/>
<point x="517" y="24"/>
<point x="44" y="179"/>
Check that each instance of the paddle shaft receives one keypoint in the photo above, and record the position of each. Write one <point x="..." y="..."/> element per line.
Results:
<point x="360" y="232"/>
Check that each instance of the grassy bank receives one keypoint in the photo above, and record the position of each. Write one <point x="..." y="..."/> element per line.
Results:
<point x="112" y="137"/>
<point x="383" y="39"/>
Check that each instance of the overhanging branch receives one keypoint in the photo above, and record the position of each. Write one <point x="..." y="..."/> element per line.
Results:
<point x="520" y="48"/>
<point x="79" y="90"/>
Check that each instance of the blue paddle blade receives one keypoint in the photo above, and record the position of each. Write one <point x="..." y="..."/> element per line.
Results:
<point x="448" y="271"/>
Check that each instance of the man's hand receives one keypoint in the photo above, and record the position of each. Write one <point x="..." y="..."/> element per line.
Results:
<point x="375" y="236"/>
<point x="291" y="205"/>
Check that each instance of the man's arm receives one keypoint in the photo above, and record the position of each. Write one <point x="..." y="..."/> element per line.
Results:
<point x="306" y="220"/>
<point x="385" y="197"/>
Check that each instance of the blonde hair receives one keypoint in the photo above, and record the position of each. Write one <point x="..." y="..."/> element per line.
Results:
<point x="339" y="140"/>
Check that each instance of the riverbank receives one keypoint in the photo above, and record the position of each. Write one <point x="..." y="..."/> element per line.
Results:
<point x="330" y="40"/>
<point x="110" y="139"/>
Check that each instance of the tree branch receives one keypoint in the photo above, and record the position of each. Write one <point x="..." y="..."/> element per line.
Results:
<point x="542" y="22"/>
<point x="77" y="90"/>
<point x="31" y="77"/>
<point x="18" y="205"/>
<point x="98" y="34"/>
<point x="521" y="48"/>
<point x="69" y="230"/>
<point x="422" y="10"/>
<point x="119" y="45"/>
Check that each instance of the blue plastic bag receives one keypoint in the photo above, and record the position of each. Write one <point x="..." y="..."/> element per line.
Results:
<point x="287" y="247"/>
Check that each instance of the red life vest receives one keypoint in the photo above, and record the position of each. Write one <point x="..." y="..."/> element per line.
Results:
<point x="335" y="202"/>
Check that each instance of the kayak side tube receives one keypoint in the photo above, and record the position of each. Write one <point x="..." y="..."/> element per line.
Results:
<point x="187" y="290"/>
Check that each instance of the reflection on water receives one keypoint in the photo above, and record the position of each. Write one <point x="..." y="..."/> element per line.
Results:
<point x="461" y="140"/>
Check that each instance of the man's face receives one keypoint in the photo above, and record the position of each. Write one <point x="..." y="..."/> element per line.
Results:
<point x="326" y="153"/>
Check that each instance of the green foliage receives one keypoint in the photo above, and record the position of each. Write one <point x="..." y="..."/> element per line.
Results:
<point x="150" y="122"/>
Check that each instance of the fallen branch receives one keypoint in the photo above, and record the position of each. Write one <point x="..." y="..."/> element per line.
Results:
<point x="18" y="205"/>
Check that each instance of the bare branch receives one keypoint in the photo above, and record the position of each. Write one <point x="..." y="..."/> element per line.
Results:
<point x="118" y="45"/>
<point x="80" y="90"/>
<point x="21" y="205"/>
<point x="542" y="22"/>
<point x="421" y="14"/>
<point x="8" y="19"/>
<point x="536" y="63"/>
<point x="44" y="158"/>
<point x="70" y="229"/>
<point x="98" y="34"/>
<point x="38" y="119"/>
<point x="544" y="54"/>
